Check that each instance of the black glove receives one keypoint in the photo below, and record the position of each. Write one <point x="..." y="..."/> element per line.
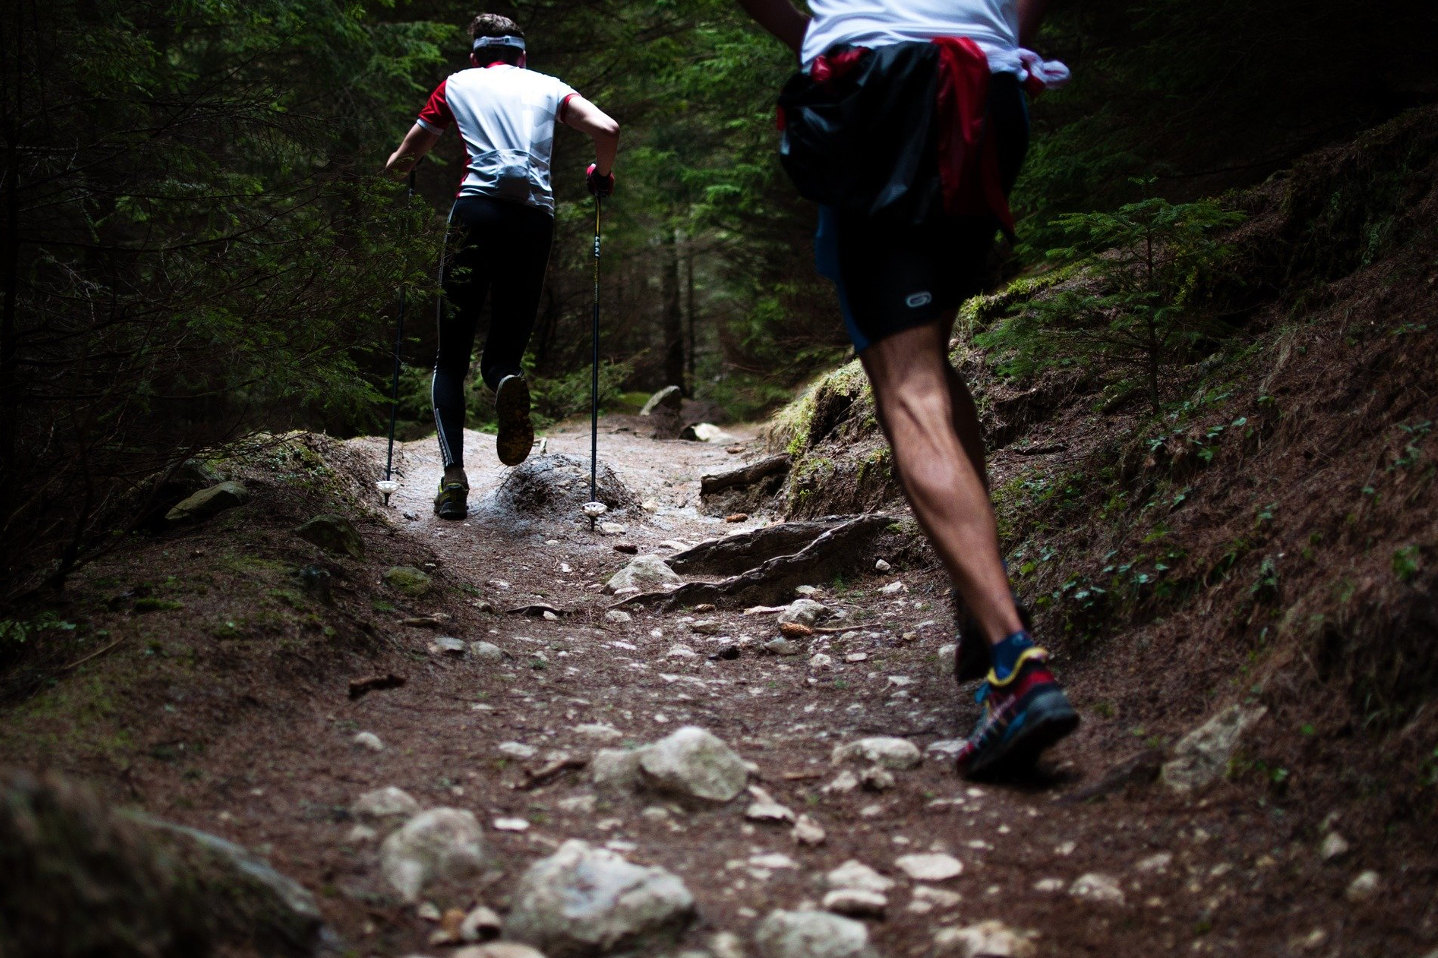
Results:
<point x="599" y="185"/>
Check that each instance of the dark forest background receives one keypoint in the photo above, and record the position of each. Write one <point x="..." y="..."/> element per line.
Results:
<point x="197" y="242"/>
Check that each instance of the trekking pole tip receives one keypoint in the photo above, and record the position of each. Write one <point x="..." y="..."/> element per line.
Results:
<point x="594" y="510"/>
<point x="387" y="487"/>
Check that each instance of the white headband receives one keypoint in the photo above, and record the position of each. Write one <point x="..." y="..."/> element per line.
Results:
<point x="516" y="43"/>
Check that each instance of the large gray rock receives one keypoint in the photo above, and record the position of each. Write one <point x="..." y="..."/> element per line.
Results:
<point x="333" y="534"/>
<point x="616" y="769"/>
<point x="642" y="572"/>
<point x="812" y="934"/>
<point x="441" y="844"/>
<point x="692" y="763"/>
<point x="1201" y="757"/>
<point x="584" y="901"/>
<point x="209" y="502"/>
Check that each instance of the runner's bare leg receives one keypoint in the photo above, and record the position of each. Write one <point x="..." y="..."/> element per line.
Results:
<point x="932" y="424"/>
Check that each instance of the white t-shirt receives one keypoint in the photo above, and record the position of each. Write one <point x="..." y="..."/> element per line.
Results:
<point x="506" y="116"/>
<point x="992" y="24"/>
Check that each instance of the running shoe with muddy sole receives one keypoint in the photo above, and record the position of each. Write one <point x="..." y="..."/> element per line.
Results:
<point x="516" y="432"/>
<point x="450" y="503"/>
<point x="1023" y="715"/>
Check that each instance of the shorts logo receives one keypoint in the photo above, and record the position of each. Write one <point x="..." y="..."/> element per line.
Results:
<point x="919" y="299"/>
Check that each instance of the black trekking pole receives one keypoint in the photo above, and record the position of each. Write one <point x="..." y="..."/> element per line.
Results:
<point x="594" y="508"/>
<point x="387" y="486"/>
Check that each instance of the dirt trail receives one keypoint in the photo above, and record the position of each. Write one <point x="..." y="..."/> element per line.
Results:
<point x="236" y="726"/>
<point x="1207" y="877"/>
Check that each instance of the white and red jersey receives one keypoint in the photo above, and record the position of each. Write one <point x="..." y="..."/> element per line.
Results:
<point x="506" y="116"/>
<point x="992" y="24"/>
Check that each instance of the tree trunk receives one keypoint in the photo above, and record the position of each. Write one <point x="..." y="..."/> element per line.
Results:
<point x="671" y="315"/>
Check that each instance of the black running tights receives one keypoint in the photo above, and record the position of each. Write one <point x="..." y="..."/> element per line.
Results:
<point x="497" y="250"/>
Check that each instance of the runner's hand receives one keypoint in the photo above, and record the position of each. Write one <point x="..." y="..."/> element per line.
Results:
<point x="599" y="185"/>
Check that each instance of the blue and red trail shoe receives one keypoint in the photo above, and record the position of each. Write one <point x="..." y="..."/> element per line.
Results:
<point x="1024" y="714"/>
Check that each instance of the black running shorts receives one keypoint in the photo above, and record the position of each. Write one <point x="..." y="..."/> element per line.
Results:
<point x="891" y="277"/>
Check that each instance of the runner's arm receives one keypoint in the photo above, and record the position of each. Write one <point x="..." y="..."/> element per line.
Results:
<point x="780" y="18"/>
<point x="417" y="143"/>
<point x="601" y="127"/>
<point x="1030" y="13"/>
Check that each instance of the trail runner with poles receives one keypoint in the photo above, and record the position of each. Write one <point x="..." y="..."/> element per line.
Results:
<point x="500" y="230"/>
<point x="907" y="124"/>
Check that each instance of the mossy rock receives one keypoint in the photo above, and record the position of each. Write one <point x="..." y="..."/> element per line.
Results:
<point x="334" y="534"/>
<point x="209" y="502"/>
<point x="408" y="580"/>
<point x="84" y="879"/>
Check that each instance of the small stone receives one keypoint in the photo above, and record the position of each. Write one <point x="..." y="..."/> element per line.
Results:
<point x="893" y="588"/>
<point x="486" y="651"/>
<point x="857" y="657"/>
<point x="481" y="924"/>
<point x="1100" y="889"/>
<point x="889" y="752"/>
<point x="370" y="741"/>
<point x="857" y="876"/>
<point x="803" y="612"/>
<point x="765" y="809"/>
<point x="943" y="750"/>
<point x="427" y="911"/>
<point x="806" y="591"/>
<point x="599" y="730"/>
<point x="1334" y="847"/>
<point x="1049" y="886"/>
<point x="693" y="763"/>
<point x="448" y="645"/>
<point x="613" y="528"/>
<point x="442" y="844"/>
<point x="774" y="861"/>
<point x="930" y="867"/>
<point x="616" y="769"/>
<point x="846" y="781"/>
<point x="988" y="939"/>
<point x="649" y="505"/>
<point x="877" y="779"/>
<point x="681" y="652"/>
<point x="808" y="832"/>
<point x="498" y="949"/>
<point x="1201" y="757"/>
<point x="782" y="646"/>
<point x="1363" y="888"/>
<point x="1154" y="863"/>
<point x="642" y="571"/>
<point x="618" y="616"/>
<point x="812" y="934"/>
<point x="882" y="566"/>
<point x="517" y="750"/>
<point x="947" y="661"/>
<point x="361" y="835"/>
<point x="385" y="802"/>
<point x="856" y="903"/>
<point x="726" y="944"/>
<point x="820" y="660"/>
<point x="941" y="897"/>
<point x="511" y="825"/>
<point x="706" y="627"/>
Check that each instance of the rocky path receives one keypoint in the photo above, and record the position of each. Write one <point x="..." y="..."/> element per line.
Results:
<point x="706" y="781"/>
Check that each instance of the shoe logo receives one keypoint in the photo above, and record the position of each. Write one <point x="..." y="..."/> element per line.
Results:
<point x="919" y="299"/>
